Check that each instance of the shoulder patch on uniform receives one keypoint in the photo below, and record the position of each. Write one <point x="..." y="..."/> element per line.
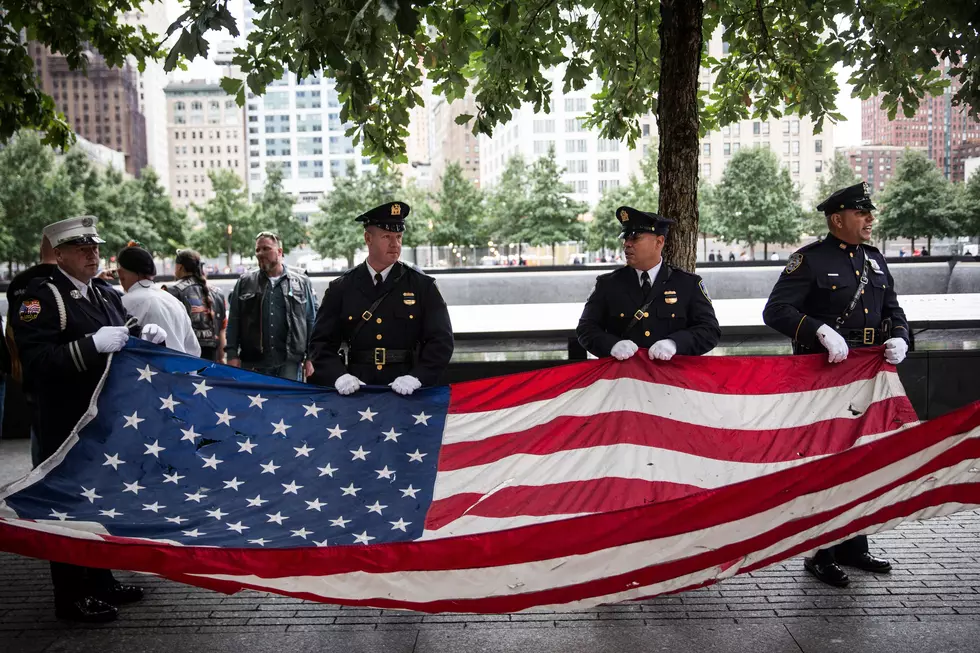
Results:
<point x="704" y="290"/>
<point x="795" y="261"/>
<point x="29" y="310"/>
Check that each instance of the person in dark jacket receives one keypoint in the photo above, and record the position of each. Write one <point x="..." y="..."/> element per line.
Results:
<point x="383" y="322"/>
<point x="648" y="304"/>
<point x="205" y="304"/>
<point x="64" y="324"/>
<point x="834" y="295"/>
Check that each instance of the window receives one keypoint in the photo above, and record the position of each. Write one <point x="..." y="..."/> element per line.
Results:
<point x="818" y="146"/>
<point x="576" y="145"/>
<point x="578" y="166"/>
<point x="312" y="122"/>
<point x="310" y="169"/>
<point x="605" y="184"/>
<point x="796" y="148"/>
<point x="726" y="130"/>
<point x="706" y="149"/>
<point x="765" y="129"/>
<point x="727" y="149"/>
<point x="736" y="147"/>
<point x="340" y="145"/>
<point x="608" y="165"/>
<point x="796" y="127"/>
<point x="333" y="102"/>
<point x="214" y="105"/>
<point x="543" y="126"/>
<point x="818" y="166"/>
<point x="276" y="124"/>
<point x="756" y="128"/>
<point x="786" y="126"/>
<point x="794" y="167"/>
<point x="582" y="186"/>
<point x="310" y="145"/>
<point x="645" y="129"/>
<point x="333" y="122"/>
<point x="606" y="145"/>
<point x="277" y="147"/>
<point x="705" y="169"/>
<point x="737" y="129"/>
<point x="197" y="106"/>
<point x="308" y="99"/>
<point x="573" y="125"/>
<point x="178" y="106"/>
<point x="542" y="147"/>
<point x="276" y="101"/>
<point x="230" y="104"/>
<point x="786" y="148"/>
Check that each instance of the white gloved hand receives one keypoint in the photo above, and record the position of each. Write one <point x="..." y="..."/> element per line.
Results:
<point x="348" y="384"/>
<point x="624" y="349"/>
<point x="895" y="350"/>
<point x="110" y="339"/>
<point x="663" y="350"/>
<point x="833" y="342"/>
<point x="153" y="333"/>
<point x="405" y="385"/>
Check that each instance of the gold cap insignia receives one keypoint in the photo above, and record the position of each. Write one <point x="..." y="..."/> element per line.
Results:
<point x="87" y="222"/>
<point x="624" y="216"/>
<point x="396" y="209"/>
<point x="866" y="188"/>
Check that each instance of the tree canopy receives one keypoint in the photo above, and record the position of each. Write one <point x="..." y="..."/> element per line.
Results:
<point x="917" y="201"/>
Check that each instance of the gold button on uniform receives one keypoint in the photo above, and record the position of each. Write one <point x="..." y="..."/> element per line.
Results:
<point x="672" y="315"/>
<point x="411" y="317"/>
<point x="646" y="315"/>
<point x="865" y="310"/>
<point x="852" y="254"/>
<point x="350" y="317"/>
<point x="857" y="274"/>
<point x="381" y="367"/>
<point x="833" y="287"/>
<point x="646" y="333"/>
<point x="379" y="320"/>
<point x="378" y="336"/>
<point x="622" y="315"/>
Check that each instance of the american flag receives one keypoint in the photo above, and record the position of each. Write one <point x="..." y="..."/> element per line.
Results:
<point x="584" y="484"/>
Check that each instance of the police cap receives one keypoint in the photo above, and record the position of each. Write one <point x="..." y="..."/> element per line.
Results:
<point x="634" y="222"/>
<point x="857" y="197"/>
<point x="390" y="216"/>
<point x="73" y="231"/>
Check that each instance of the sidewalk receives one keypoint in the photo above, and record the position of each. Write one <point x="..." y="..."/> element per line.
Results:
<point x="929" y="603"/>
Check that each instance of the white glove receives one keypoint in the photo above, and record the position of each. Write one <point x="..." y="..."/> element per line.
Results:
<point x="405" y="385"/>
<point x="153" y="333"/>
<point x="832" y="342"/>
<point x="663" y="350"/>
<point x="623" y="349"/>
<point x="110" y="339"/>
<point x="348" y="384"/>
<point x="895" y="350"/>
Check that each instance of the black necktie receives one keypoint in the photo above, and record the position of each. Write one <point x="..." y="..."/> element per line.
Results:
<point x="645" y="282"/>
<point x="378" y="280"/>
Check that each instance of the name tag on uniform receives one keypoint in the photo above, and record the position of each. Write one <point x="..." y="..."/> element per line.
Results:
<point x="670" y="296"/>
<point x="832" y="274"/>
<point x="408" y="298"/>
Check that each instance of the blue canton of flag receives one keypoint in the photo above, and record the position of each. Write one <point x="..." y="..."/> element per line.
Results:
<point x="186" y="452"/>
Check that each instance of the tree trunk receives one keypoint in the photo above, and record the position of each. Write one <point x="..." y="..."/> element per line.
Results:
<point x="929" y="244"/>
<point x="350" y="261"/>
<point x="677" y="123"/>
<point x="912" y="240"/>
<point x="705" y="237"/>
<point x="765" y="251"/>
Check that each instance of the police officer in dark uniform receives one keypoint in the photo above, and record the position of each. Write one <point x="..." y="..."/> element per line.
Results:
<point x="63" y="325"/>
<point x="388" y="317"/>
<point x="648" y="303"/>
<point x="836" y="294"/>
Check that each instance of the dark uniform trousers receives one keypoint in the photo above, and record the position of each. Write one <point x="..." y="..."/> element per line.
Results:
<point x="62" y="366"/>
<point x="816" y="288"/>
<point x="679" y="309"/>
<point x="409" y="333"/>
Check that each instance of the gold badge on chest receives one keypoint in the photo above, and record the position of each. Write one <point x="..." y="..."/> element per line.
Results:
<point x="670" y="296"/>
<point x="408" y="298"/>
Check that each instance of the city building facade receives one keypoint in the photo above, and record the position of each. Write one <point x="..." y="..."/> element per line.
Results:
<point x="101" y="104"/>
<point x="205" y="131"/>
<point x="876" y="164"/>
<point x="453" y="143"/>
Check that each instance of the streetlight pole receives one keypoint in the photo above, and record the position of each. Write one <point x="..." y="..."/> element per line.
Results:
<point x="228" y="262"/>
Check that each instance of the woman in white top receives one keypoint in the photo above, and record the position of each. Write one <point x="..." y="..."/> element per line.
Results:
<point x="150" y="305"/>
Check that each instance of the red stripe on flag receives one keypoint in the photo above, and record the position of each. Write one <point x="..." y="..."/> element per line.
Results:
<point x="718" y="374"/>
<point x="596" y="495"/>
<point x="566" y="433"/>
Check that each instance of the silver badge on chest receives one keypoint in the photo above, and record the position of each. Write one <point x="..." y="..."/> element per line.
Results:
<point x="874" y="266"/>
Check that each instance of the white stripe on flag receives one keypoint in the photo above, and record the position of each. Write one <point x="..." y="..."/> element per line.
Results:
<point x="723" y="411"/>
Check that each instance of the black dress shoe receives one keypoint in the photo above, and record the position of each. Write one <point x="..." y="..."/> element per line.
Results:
<point x="120" y="594"/>
<point x="868" y="562"/>
<point x="87" y="610"/>
<point x="829" y="573"/>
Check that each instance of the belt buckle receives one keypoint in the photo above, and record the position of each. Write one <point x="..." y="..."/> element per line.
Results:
<point x="379" y="355"/>
<point x="869" y="336"/>
<point x="638" y="314"/>
<point x="366" y="315"/>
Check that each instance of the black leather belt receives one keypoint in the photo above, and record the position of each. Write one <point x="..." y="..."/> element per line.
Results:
<point x="380" y="356"/>
<point x="865" y="337"/>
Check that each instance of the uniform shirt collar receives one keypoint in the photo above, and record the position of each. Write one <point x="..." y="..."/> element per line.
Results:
<point x="82" y="287"/>
<point x="840" y="244"/>
<point x="653" y="272"/>
<point x="384" y="273"/>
